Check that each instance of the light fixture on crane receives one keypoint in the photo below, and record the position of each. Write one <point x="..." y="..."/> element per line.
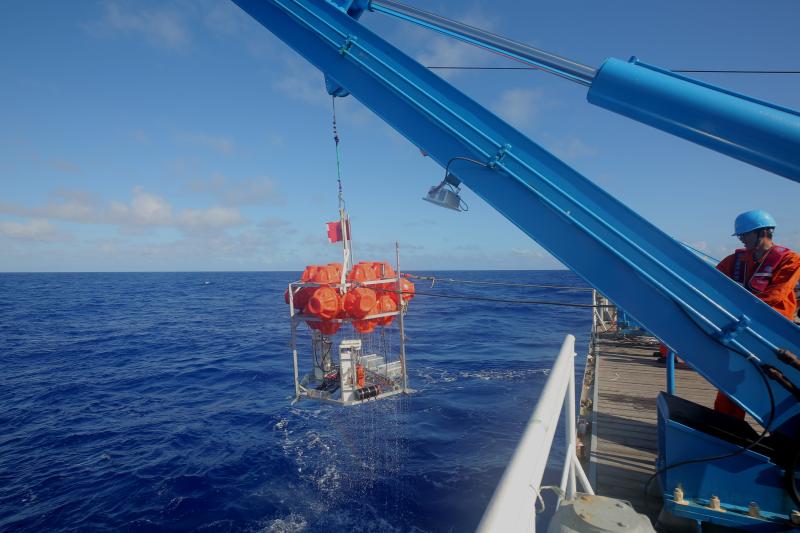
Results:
<point x="446" y="194"/>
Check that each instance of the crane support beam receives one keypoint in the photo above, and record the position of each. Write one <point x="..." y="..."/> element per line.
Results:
<point x="712" y="322"/>
<point x="756" y="132"/>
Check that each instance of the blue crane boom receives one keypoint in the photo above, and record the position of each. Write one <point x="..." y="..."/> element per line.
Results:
<point x="753" y="131"/>
<point x="729" y="336"/>
<point x="715" y="324"/>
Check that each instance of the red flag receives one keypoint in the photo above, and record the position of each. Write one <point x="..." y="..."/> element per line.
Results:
<point x="335" y="231"/>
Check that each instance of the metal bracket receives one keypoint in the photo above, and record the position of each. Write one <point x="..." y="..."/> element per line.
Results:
<point x="730" y="331"/>
<point x="498" y="156"/>
<point x="345" y="48"/>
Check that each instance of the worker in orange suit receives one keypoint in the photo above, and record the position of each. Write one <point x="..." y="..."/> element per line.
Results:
<point x="769" y="271"/>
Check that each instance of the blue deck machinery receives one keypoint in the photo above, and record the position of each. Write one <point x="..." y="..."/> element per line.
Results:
<point x="734" y="340"/>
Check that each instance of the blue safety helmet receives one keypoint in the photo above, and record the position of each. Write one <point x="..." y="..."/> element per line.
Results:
<point x="752" y="220"/>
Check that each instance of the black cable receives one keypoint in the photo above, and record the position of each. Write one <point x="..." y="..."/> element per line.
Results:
<point x="741" y="449"/>
<point x="691" y="71"/>
<point x="791" y="476"/>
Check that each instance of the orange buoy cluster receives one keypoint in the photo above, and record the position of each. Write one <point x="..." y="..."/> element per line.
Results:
<point x="358" y="302"/>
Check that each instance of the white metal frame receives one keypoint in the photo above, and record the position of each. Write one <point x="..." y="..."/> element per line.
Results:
<point x="301" y="388"/>
<point x="513" y="505"/>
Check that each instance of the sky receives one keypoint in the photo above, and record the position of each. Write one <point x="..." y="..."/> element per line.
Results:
<point x="180" y="135"/>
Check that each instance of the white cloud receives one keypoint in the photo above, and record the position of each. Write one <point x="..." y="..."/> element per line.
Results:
<point x="211" y="218"/>
<point x="518" y="106"/>
<point x="573" y="148"/>
<point x="440" y="51"/>
<point x="36" y="229"/>
<point x="301" y="81"/>
<point x="222" y="145"/>
<point x="162" y="27"/>
<point x="62" y="165"/>
<point x="143" y="210"/>
<point x="229" y="192"/>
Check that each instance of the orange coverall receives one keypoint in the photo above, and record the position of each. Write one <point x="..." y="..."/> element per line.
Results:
<point x="779" y="295"/>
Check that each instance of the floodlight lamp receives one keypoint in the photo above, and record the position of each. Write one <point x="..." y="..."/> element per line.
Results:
<point x="446" y="194"/>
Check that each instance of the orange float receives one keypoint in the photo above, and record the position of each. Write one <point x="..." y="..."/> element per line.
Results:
<point x="358" y="302"/>
<point x="301" y="297"/>
<point x="361" y="272"/>
<point x="326" y="275"/>
<point x="325" y="327"/>
<point x="406" y="287"/>
<point x="308" y="273"/>
<point x="382" y="269"/>
<point x="324" y="303"/>
<point x="368" y="326"/>
<point x="386" y="304"/>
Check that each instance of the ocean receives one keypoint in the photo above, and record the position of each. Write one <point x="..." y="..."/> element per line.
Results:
<point x="161" y="402"/>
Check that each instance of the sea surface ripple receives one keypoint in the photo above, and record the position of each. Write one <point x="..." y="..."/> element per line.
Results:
<point x="161" y="402"/>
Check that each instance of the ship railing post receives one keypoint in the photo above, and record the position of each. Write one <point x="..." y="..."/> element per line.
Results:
<point x="513" y="505"/>
<point x="294" y="344"/>
<point x="570" y="437"/>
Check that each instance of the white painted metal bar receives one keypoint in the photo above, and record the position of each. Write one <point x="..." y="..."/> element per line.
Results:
<point x="513" y="505"/>
<point x="294" y="344"/>
<point x="570" y="436"/>
<point x="400" y="323"/>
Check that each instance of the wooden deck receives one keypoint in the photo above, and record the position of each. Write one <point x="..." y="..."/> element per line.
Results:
<point x="624" y="434"/>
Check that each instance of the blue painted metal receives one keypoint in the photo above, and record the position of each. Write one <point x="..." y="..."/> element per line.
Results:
<point x="751" y="130"/>
<point x="736" y="480"/>
<point x="756" y="132"/>
<point x="670" y="291"/>
<point x="671" y="372"/>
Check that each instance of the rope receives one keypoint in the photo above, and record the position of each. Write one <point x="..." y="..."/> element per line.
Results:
<point x="338" y="165"/>
<point x="497" y="300"/>
<point x="710" y="259"/>
<point x="506" y="301"/>
<point x="501" y="283"/>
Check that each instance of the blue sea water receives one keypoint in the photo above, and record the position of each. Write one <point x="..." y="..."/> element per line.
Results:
<point x="161" y="402"/>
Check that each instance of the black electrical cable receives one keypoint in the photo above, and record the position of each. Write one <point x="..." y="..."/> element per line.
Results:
<point x="791" y="475"/>
<point x="688" y="71"/>
<point x="742" y="449"/>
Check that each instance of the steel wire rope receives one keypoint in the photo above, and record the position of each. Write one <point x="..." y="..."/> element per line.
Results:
<point x="498" y="300"/>
<point x="547" y="201"/>
<point x="694" y="71"/>
<point x="499" y="283"/>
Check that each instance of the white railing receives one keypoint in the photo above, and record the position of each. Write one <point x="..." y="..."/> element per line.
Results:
<point x="513" y="505"/>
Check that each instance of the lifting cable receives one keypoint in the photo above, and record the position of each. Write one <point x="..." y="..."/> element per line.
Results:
<point x="507" y="301"/>
<point x="338" y="165"/>
<point x="497" y="300"/>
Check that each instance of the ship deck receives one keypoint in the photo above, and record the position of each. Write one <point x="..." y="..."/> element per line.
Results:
<point x="627" y="379"/>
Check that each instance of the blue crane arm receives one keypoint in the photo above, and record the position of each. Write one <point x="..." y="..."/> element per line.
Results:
<point x="753" y="131"/>
<point x="715" y="324"/>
